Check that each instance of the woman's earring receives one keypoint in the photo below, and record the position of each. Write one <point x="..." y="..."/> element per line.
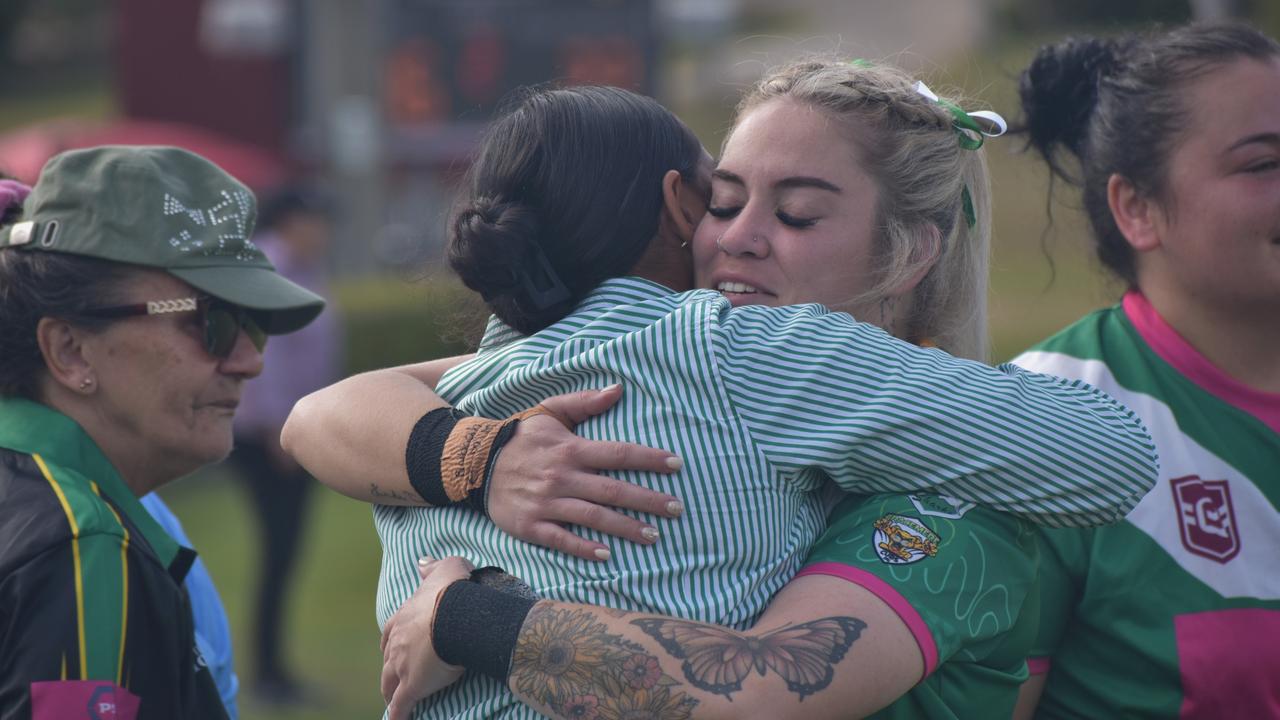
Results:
<point x="684" y="244"/>
<point x="86" y="383"/>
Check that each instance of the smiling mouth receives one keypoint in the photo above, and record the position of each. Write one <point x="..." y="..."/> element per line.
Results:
<point x="736" y="287"/>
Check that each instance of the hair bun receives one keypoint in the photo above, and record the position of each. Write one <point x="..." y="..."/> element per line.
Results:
<point x="1059" y="91"/>
<point x="491" y="244"/>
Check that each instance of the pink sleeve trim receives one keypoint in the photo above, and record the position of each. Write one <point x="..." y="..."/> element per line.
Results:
<point x="1038" y="665"/>
<point x="891" y="597"/>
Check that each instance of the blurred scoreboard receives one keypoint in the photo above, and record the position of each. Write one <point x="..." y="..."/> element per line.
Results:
<point x="450" y="63"/>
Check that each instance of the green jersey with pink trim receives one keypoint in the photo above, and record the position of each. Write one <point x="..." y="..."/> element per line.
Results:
<point x="963" y="580"/>
<point x="1174" y="612"/>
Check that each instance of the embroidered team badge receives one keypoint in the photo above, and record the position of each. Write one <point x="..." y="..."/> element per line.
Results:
<point x="899" y="539"/>
<point x="1206" y="518"/>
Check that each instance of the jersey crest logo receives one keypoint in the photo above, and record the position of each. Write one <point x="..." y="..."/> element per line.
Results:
<point x="943" y="506"/>
<point x="900" y="539"/>
<point x="1206" y="518"/>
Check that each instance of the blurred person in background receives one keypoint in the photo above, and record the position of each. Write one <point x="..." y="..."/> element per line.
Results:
<point x="132" y="310"/>
<point x="294" y="228"/>
<point x="1174" y="138"/>
<point x="793" y="218"/>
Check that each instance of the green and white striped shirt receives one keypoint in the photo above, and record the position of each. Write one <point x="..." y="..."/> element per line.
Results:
<point x="764" y="405"/>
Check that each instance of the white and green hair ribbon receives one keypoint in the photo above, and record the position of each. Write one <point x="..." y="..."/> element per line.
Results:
<point x="972" y="128"/>
<point x="970" y="131"/>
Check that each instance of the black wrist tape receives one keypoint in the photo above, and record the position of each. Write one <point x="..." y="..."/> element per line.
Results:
<point x="477" y="626"/>
<point x="422" y="454"/>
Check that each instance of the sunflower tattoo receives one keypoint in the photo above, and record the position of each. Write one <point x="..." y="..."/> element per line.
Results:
<point x="558" y="654"/>
<point x="568" y="661"/>
<point x="656" y="704"/>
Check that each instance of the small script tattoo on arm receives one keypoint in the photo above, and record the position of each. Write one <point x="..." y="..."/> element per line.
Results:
<point x="568" y="661"/>
<point x="717" y="660"/>
<point x="392" y="494"/>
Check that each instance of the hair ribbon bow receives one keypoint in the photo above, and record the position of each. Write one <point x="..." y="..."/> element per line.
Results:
<point x="969" y="130"/>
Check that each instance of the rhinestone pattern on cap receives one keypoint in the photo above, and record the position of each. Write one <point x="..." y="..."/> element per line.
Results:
<point x="230" y="216"/>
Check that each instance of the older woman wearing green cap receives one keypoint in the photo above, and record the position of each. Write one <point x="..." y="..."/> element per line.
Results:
<point x="132" y="309"/>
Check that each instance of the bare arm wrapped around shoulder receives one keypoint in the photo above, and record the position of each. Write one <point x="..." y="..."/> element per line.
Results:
<point x="351" y="436"/>
<point x="825" y="648"/>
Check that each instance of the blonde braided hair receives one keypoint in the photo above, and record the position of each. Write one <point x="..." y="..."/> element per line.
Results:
<point x="907" y="144"/>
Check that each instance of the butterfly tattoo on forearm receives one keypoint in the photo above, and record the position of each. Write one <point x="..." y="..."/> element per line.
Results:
<point x="717" y="660"/>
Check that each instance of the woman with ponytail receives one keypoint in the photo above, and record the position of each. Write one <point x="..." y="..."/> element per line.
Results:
<point x="1174" y="140"/>
<point x="848" y="185"/>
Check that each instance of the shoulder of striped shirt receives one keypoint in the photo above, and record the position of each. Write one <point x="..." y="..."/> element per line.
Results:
<point x="1257" y="518"/>
<point x="766" y="329"/>
<point x="621" y="319"/>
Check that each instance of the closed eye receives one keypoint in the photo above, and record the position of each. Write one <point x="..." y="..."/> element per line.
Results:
<point x="723" y="212"/>
<point x="1263" y="166"/>
<point x="795" y="222"/>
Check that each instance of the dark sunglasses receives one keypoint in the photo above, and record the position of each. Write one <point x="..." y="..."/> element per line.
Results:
<point x="222" y="321"/>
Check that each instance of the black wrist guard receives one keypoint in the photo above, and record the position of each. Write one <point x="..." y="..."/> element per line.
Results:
<point x="476" y="627"/>
<point x="422" y="454"/>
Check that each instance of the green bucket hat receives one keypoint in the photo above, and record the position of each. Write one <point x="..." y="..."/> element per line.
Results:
<point x="165" y="208"/>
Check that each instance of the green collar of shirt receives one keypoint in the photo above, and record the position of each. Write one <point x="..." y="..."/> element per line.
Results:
<point x="34" y="428"/>
<point x="626" y="290"/>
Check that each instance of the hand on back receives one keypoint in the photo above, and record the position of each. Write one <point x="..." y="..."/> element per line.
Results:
<point x="546" y="477"/>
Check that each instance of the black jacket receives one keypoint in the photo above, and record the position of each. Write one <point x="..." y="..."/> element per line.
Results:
<point x="93" y="611"/>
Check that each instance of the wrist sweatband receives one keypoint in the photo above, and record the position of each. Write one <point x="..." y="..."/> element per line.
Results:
<point x="472" y="448"/>
<point x="422" y="454"/>
<point x="450" y="455"/>
<point x="476" y="627"/>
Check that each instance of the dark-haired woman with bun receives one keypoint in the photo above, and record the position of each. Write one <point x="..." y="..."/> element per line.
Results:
<point x="574" y="226"/>
<point x="1175" y="139"/>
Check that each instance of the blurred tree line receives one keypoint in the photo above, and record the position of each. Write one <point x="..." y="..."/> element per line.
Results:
<point x="1042" y="16"/>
